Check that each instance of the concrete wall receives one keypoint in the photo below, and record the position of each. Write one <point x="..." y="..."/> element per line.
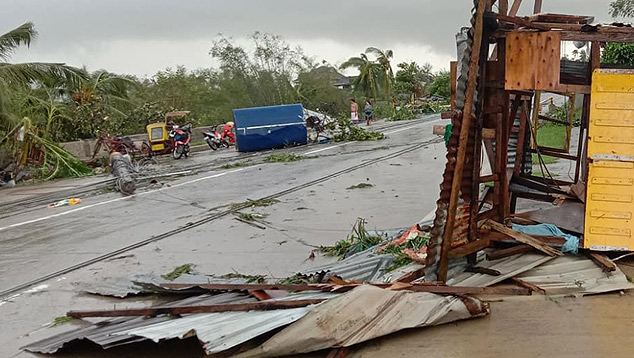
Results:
<point x="83" y="149"/>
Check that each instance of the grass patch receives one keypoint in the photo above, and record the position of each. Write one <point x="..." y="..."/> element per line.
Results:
<point x="235" y="165"/>
<point x="360" y="186"/>
<point x="401" y="258"/>
<point x="358" y="240"/>
<point x="248" y="278"/>
<point x="61" y="320"/>
<point x="284" y="158"/>
<point x="550" y="135"/>
<point x="249" y="216"/>
<point x="178" y="272"/>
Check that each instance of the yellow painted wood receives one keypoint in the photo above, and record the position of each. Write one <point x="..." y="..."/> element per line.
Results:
<point x="610" y="191"/>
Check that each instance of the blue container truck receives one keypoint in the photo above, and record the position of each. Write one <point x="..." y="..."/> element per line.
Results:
<point x="262" y="128"/>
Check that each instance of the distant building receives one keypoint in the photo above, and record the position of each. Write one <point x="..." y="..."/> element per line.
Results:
<point x="339" y="80"/>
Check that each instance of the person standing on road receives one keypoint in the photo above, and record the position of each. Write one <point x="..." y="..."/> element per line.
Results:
<point x="354" y="111"/>
<point x="367" y="110"/>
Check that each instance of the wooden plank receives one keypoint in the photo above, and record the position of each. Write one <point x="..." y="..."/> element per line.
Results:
<point x="554" y="120"/>
<point x="553" y="152"/>
<point x="503" y="7"/>
<point x="522" y="21"/>
<point x="538" y="7"/>
<point x="528" y="285"/>
<point x="568" y="88"/>
<point x="231" y="307"/>
<point x="521" y="137"/>
<point x="533" y="61"/>
<point x="453" y="69"/>
<point x="463" y="141"/>
<point x="412" y="275"/>
<point x="515" y="7"/>
<point x="464" y="250"/>
<point x="446" y="115"/>
<point x="602" y="261"/>
<point x="549" y="240"/>
<point x="523" y="238"/>
<point x="488" y="133"/>
<point x="488" y="178"/>
<point x="515" y="250"/>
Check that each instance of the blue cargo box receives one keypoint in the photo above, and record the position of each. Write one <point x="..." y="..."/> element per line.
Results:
<point x="271" y="127"/>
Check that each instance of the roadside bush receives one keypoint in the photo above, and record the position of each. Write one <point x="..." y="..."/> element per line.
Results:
<point x="382" y="110"/>
<point x="403" y="114"/>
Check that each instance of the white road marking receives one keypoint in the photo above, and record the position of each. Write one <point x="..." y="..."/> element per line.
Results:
<point x="327" y="148"/>
<point x="116" y="200"/>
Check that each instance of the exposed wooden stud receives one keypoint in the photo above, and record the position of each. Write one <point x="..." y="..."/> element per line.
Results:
<point x="528" y="285"/>
<point x="523" y="238"/>
<point x="538" y="7"/>
<point x="463" y="141"/>
<point x="602" y="261"/>
<point x="515" y="7"/>
<point x="521" y="137"/>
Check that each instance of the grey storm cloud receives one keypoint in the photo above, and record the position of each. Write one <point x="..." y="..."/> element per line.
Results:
<point x="429" y="22"/>
<point x="82" y="27"/>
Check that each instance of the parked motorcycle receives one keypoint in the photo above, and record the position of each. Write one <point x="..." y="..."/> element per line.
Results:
<point x="180" y="137"/>
<point x="215" y="140"/>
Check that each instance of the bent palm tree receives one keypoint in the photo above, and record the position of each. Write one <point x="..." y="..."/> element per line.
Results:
<point x="383" y="58"/>
<point x="369" y="74"/>
<point x="25" y="74"/>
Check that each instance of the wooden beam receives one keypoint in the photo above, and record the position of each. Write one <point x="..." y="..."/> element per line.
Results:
<point x="503" y="6"/>
<point x="521" y="138"/>
<point x="515" y="7"/>
<point x="554" y="120"/>
<point x="231" y="307"/>
<point x="522" y="21"/>
<point x="464" y="250"/>
<point x="488" y="178"/>
<point x="523" y="238"/>
<point x="528" y="285"/>
<point x="515" y="250"/>
<point x="538" y="7"/>
<point x="554" y="153"/>
<point x="606" y="264"/>
<point x="463" y="141"/>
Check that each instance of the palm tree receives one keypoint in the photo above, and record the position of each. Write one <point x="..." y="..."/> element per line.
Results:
<point x="26" y="74"/>
<point x="370" y="73"/>
<point x="383" y="58"/>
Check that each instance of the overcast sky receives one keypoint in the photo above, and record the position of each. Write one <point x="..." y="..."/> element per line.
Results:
<point x="141" y="37"/>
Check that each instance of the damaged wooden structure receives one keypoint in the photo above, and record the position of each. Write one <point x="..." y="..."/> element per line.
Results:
<point x="506" y="64"/>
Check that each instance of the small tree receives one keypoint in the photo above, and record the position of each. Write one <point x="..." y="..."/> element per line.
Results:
<point x="622" y="8"/>
<point x="412" y="79"/>
<point x="442" y="84"/>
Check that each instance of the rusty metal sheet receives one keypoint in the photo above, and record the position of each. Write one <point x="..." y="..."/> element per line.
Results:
<point x="366" y="313"/>
<point x="569" y="216"/>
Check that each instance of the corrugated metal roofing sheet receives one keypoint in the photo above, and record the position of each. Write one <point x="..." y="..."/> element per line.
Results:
<point x="576" y="275"/>
<point x="508" y="267"/>
<point x="217" y="331"/>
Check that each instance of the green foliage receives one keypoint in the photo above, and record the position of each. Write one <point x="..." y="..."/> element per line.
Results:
<point x="259" y="203"/>
<point x="358" y="240"/>
<point x="618" y="54"/>
<point x="61" y="320"/>
<point x="249" y="217"/>
<point x="316" y="91"/>
<point x="248" y="278"/>
<point x="284" y="158"/>
<point x="370" y="75"/>
<point x="178" y="272"/>
<point x="382" y="110"/>
<point x="360" y="186"/>
<point x="402" y="114"/>
<point x="350" y="132"/>
<point x="622" y="8"/>
<point x="441" y="85"/>
<point x="412" y="79"/>
<point x="300" y="279"/>
<point x="400" y="257"/>
<point x="235" y="165"/>
<point x="550" y="135"/>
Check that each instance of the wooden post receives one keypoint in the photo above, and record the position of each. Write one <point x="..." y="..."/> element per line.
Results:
<point x="538" y="7"/>
<point x="463" y="141"/>
<point x="503" y="6"/>
<point x="521" y="137"/>
<point x="515" y="7"/>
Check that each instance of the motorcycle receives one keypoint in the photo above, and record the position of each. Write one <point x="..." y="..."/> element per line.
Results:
<point x="180" y="137"/>
<point x="215" y="140"/>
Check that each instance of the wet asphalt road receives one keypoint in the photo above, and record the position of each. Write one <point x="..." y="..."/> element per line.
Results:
<point x="38" y="242"/>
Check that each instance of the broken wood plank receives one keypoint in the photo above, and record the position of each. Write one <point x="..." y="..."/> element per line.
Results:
<point x="433" y="287"/>
<point x="231" y="307"/>
<point x="606" y="264"/>
<point x="523" y="238"/>
<point x="528" y="285"/>
<point x="412" y="275"/>
<point x="463" y="141"/>
<point x="488" y="178"/>
<point x="502" y="253"/>
<point x="469" y="248"/>
<point x="483" y="270"/>
<point x="522" y="21"/>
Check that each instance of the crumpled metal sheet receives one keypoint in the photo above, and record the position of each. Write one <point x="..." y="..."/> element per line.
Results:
<point x="508" y="267"/>
<point x="103" y="333"/>
<point x="366" y="313"/>
<point x="575" y="275"/>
